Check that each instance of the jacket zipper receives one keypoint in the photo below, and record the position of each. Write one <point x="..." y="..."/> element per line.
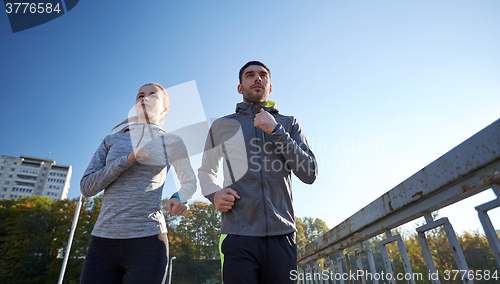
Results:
<point x="142" y="135"/>
<point x="261" y="171"/>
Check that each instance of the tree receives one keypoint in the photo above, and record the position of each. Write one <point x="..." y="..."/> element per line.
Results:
<point x="477" y="251"/>
<point x="301" y="238"/>
<point x="309" y="229"/>
<point x="30" y="239"/>
<point x="88" y="216"/>
<point x="33" y="238"/>
<point x="201" y="226"/>
<point x="34" y="233"/>
<point x="194" y="241"/>
<point x="474" y="245"/>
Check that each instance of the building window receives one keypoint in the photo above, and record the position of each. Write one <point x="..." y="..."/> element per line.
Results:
<point x="39" y="187"/>
<point x="2" y="168"/>
<point x="27" y="177"/>
<point x="49" y="186"/>
<point x="1" y="175"/>
<point x="26" y="170"/>
<point x="22" y="190"/>
<point x="55" y="180"/>
<point x="9" y="176"/>
<point x="25" y="183"/>
<point x="2" y="196"/>
<point x="45" y="168"/>
<point x="6" y="182"/>
<point x="4" y="189"/>
<point x="14" y="163"/>
<point x="43" y="175"/>
<point x="57" y="174"/>
<point x="5" y="162"/>
<point x="12" y="169"/>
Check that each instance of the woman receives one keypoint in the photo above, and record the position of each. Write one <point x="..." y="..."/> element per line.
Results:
<point x="129" y="241"/>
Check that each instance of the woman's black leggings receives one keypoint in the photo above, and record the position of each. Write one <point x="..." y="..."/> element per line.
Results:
<point x="127" y="261"/>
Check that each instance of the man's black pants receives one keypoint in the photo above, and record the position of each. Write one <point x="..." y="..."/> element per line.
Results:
<point x="260" y="260"/>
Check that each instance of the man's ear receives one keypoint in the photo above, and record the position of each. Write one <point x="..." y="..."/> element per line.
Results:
<point x="240" y="89"/>
<point x="270" y="88"/>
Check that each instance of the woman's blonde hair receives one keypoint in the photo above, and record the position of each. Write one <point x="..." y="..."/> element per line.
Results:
<point x="133" y="120"/>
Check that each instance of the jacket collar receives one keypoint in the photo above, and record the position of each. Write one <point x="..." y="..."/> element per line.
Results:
<point x="146" y="126"/>
<point x="247" y="108"/>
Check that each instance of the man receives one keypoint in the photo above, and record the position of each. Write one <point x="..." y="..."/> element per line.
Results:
<point x="261" y="148"/>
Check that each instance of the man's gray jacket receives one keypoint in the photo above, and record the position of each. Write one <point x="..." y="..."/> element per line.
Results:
<point x="258" y="167"/>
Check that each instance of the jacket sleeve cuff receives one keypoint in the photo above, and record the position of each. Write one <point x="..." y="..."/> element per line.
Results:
<point x="276" y="128"/>
<point x="210" y="197"/>
<point x="279" y="134"/>
<point x="176" y="195"/>
<point x="125" y="162"/>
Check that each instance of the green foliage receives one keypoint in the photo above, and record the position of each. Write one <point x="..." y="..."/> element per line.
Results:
<point x="194" y="241"/>
<point x="34" y="234"/>
<point x="201" y="226"/>
<point x="309" y="229"/>
<point x="474" y="245"/>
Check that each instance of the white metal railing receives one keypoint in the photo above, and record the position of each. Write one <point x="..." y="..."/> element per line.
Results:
<point x="470" y="168"/>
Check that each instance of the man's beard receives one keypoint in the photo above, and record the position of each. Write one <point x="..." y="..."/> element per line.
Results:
<point x="253" y="97"/>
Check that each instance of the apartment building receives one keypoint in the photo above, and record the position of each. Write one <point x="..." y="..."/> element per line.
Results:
<point x="30" y="176"/>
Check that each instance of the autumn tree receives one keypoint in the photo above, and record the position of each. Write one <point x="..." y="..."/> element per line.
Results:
<point x="309" y="229"/>
<point x="194" y="241"/>
<point x="31" y="238"/>
<point x="201" y="227"/>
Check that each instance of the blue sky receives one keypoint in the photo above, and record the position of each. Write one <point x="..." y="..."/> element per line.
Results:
<point x="413" y="79"/>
